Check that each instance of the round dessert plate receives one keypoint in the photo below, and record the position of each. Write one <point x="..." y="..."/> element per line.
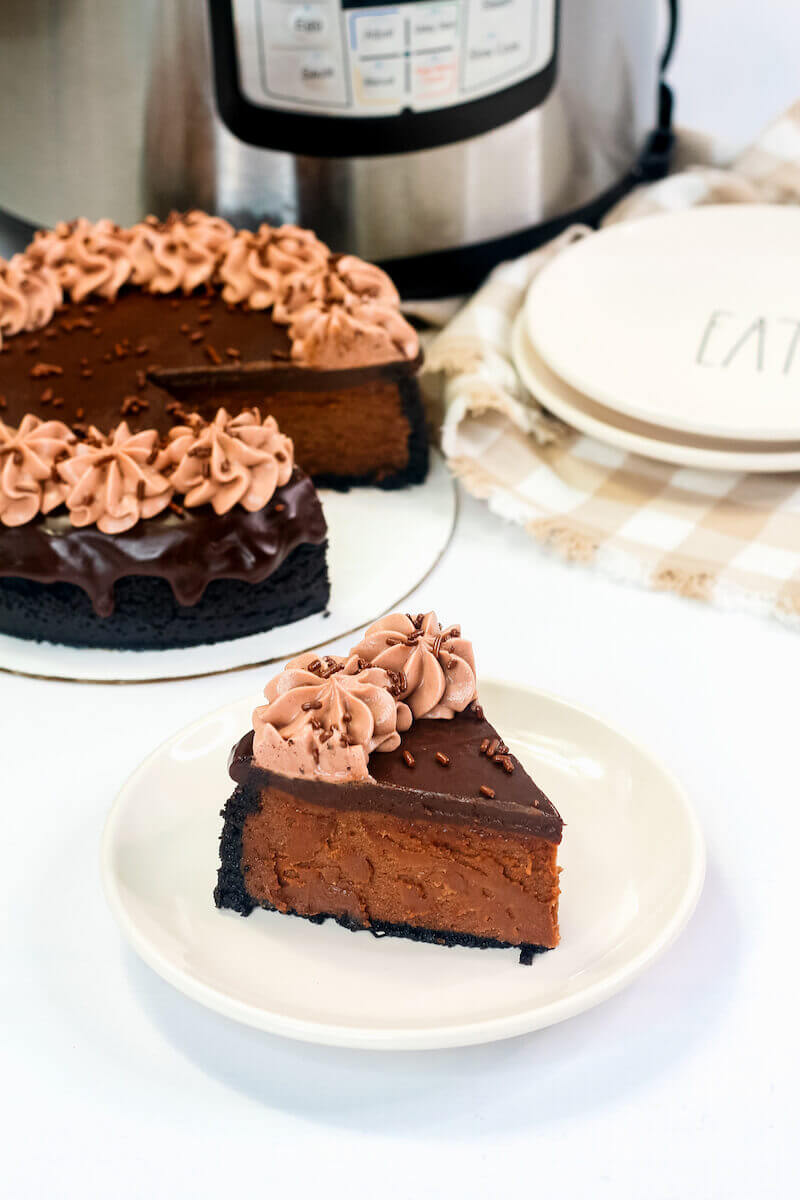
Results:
<point x="638" y="437"/>
<point x="633" y="865"/>
<point x="687" y="320"/>
<point x="414" y="525"/>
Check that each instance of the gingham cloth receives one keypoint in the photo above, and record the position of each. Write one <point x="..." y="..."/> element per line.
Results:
<point x="722" y="537"/>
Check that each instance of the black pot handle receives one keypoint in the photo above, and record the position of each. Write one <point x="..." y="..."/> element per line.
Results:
<point x="671" y="36"/>
<point x="655" y="160"/>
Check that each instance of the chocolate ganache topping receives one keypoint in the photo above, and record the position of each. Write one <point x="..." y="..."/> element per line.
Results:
<point x="189" y="548"/>
<point x="325" y="716"/>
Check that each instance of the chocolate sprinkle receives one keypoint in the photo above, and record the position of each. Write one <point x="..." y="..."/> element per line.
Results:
<point x="41" y="370"/>
<point x="487" y="791"/>
<point x="408" y="758"/>
<point x="442" y="759"/>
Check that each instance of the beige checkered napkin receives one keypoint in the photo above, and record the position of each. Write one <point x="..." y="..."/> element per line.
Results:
<point x="728" y="538"/>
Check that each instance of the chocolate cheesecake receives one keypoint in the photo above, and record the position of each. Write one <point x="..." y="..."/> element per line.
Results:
<point x="374" y="791"/>
<point x="119" y="345"/>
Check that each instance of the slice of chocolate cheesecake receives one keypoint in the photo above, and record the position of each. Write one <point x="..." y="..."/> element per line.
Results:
<point x="355" y="802"/>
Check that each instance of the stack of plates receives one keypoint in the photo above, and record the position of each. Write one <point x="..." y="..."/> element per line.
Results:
<point x="676" y="337"/>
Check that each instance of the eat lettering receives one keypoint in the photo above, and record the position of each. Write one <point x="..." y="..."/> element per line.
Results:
<point x="762" y="343"/>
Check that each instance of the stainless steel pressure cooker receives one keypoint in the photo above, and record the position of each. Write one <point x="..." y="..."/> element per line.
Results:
<point x="435" y="136"/>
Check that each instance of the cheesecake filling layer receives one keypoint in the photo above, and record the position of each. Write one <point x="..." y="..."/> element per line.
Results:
<point x="421" y="846"/>
<point x="373" y="867"/>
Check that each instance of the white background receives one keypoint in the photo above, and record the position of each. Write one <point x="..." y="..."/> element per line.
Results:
<point x="111" y="1084"/>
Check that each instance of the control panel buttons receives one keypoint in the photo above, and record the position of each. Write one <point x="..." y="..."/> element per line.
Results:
<point x="351" y="56"/>
<point x="308" y="23"/>
<point x="313" y="76"/>
<point x="376" y="81"/>
<point x="499" y="40"/>
<point x="433" y="27"/>
<point x="378" y="33"/>
<point x="320" y="75"/>
<point x="434" y="76"/>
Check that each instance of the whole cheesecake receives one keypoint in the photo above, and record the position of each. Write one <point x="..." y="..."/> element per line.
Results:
<point x="165" y="393"/>
<point x="373" y="790"/>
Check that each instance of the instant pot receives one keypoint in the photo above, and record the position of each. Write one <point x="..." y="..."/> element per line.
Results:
<point x="434" y="136"/>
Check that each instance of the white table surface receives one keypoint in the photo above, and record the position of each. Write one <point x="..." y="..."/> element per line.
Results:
<point x="685" y="1086"/>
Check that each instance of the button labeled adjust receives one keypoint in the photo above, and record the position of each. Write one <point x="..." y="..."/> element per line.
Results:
<point x="378" y="33"/>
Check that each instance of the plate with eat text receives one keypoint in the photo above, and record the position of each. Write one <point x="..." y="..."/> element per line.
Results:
<point x="689" y="321"/>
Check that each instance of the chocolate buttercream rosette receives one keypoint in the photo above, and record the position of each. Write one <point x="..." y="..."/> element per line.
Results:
<point x="340" y="311"/>
<point x="116" y="480"/>
<point x="325" y="716"/>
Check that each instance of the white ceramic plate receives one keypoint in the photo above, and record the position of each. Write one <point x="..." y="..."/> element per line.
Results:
<point x="417" y="522"/>
<point x="686" y="320"/>
<point x="633" y="862"/>
<point x="638" y="437"/>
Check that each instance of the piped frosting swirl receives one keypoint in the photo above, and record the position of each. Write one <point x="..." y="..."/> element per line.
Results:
<point x="113" y="481"/>
<point x="87" y="258"/>
<point x="340" y="310"/>
<point x="256" y="266"/>
<point x="29" y="478"/>
<point x="350" y="333"/>
<point x="232" y="460"/>
<point x="311" y="724"/>
<point x="179" y="254"/>
<point x="30" y="293"/>
<point x="325" y="718"/>
<point x="437" y="666"/>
